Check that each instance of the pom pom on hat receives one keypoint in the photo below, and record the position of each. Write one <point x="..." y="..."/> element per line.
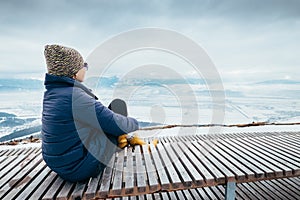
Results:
<point x="62" y="61"/>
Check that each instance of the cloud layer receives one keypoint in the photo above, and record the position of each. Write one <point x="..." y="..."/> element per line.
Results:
<point x="246" y="39"/>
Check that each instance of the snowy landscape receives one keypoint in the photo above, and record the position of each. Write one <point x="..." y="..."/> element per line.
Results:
<point x="274" y="101"/>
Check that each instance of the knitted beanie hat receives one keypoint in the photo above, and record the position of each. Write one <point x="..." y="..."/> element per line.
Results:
<point x="62" y="61"/>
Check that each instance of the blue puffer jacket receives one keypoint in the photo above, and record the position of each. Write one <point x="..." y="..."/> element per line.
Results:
<point x="79" y="134"/>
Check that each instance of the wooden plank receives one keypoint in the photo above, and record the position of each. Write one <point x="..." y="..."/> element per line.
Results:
<point x="272" y="158"/>
<point x="180" y="170"/>
<point x="54" y="189"/>
<point x="222" y="189"/>
<point x="9" y="164"/>
<point x="208" y="177"/>
<point x="284" y="142"/>
<point x="133" y="197"/>
<point x="117" y="180"/>
<point x="259" y="147"/>
<point x="202" y="193"/>
<point x="182" y="138"/>
<point x="37" y="150"/>
<point x="165" y="196"/>
<point x="11" y="152"/>
<point x="162" y="174"/>
<point x="253" y="163"/>
<point x="217" y="192"/>
<point x="173" y="176"/>
<point x="92" y="187"/>
<point x="279" y="152"/>
<point x="245" y="190"/>
<point x="2" y="158"/>
<point x="239" y="168"/>
<point x="78" y="191"/>
<point x="179" y="194"/>
<point x="169" y="139"/>
<point x="293" y="140"/>
<point x="172" y="195"/>
<point x="26" y="151"/>
<point x="187" y="195"/>
<point x="19" y="174"/>
<point x="209" y="192"/>
<point x="140" y="171"/>
<point x="4" y="152"/>
<point x="230" y="177"/>
<point x="280" y="161"/>
<point x="16" y="152"/>
<point x="268" y="162"/>
<point x="289" y="187"/>
<point x="257" y="189"/>
<point x="26" y="179"/>
<point x="194" y="137"/>
<point x="151" y="171"/>
<point x="141" y="197"/>
<point x="240" y="194"/>
<point x="20" y="151"/>
<point x="206" y="162"/>
<point x="291" y="184"/>
<point x="129" y="173"/>
<point x="294" y="137"/>
<point x="195" y="194"/>
<point x="156" y="196"/>
<point x="277" y="147"/>
<point x="189" y="138"/>
<point x="296" y="180"/>
<point x="35" y="184"/>
<point x="251" y="190"/>
<point x="198" y="138"/>
<point x="278" y="187"/>
<point x="43" y="188"/>
<point x="241" y="172"/>
<point x="65" y="191"/>
<point x="285" y="147"/>
<point x="149" y="197"/>
<point x="107" y="177"/>
<point x="287" y="192"/>
<point x="196" y="176"/>
<point x="163" y="140"/>
<point x="269" y="190"/>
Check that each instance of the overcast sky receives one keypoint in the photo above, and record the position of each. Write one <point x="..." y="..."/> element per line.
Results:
<point x="250" y="40"/>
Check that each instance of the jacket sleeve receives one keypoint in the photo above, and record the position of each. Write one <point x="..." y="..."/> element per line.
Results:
<point x="92" y="113"/>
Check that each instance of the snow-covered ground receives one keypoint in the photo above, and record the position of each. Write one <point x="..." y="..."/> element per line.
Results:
<point x="4" y="147"/>
<point x="181" y="131"/>
<point x="160" y="105"/>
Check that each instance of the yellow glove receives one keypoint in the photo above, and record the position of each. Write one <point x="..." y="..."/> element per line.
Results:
<point x="154" y="142"/>
<point x="122" y="141"/>
<point x="122" y="138"/>
<point x="135" y="140"/>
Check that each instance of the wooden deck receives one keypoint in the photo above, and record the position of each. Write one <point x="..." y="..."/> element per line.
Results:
<point x="264" y="166"/>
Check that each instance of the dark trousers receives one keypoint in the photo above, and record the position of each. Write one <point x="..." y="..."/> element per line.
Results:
<point x="117" y="106"/>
